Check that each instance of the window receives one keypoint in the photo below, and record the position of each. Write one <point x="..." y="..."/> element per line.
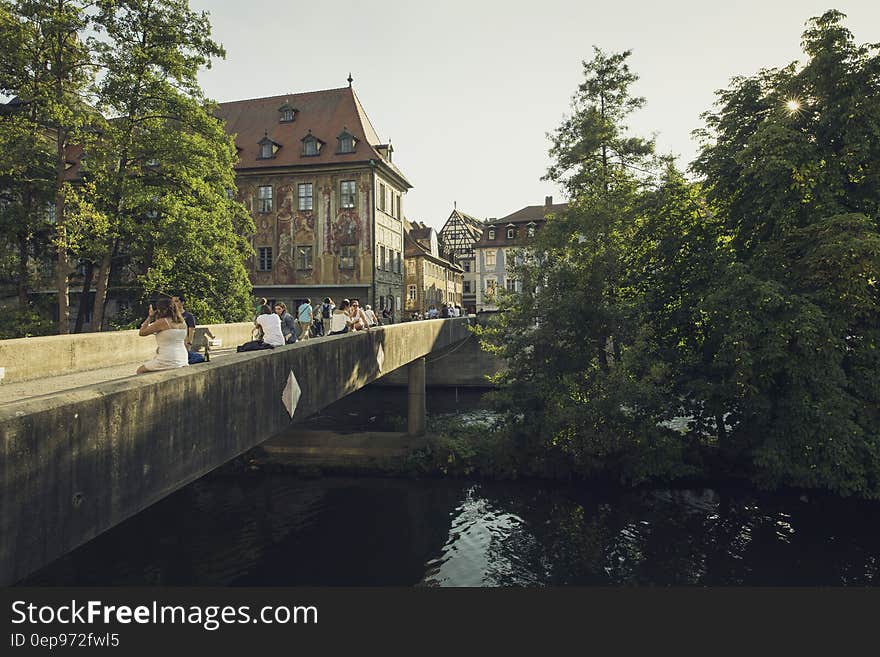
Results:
<point x="305" y="196"/>
<point x="348" y="194"/>
<point x="264" y="258"/>
<point x="490" y="287"/>
<point x="399" y="268"/>
<point x="511" y="284"/>
<point x="410" y="292"/>
<point x="490" y="259"/>
<point x="264" y="198"/>
<point x="288" y="113"/>
<point x="411" y="267"/>
<point x="50" y="213"/>
<point x="397" y="209"/>
<point x="381" y="257"/>
<point x="346" y="142"/>
<point x="511" y="233"/>
<point x="530" y="231"/>
<point x="466" y="287"/>
<point x="466" y="264"/>
<point x="311" y="145"/>
<point x="491" y="233"/>
<point x="304" y="257"/>
<point x="266" y="150"/>
<point x="347" y="257"/>
<point x="382" y="197"/>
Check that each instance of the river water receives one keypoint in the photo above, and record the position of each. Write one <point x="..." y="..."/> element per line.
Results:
<point x="277" y="529"/>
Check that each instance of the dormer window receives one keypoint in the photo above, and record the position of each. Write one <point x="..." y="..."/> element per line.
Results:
<point x="287" y="112"/>
<point x="530" y="231"/>
<point x="491" y="233"/>
<point x="346" y="142"/>
<point x="268" y="148"/>
<point x="511" y="232"/>
<point x="311" y="145"/>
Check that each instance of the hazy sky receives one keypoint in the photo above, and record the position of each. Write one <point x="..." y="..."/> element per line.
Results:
<point x="467" y="90"/>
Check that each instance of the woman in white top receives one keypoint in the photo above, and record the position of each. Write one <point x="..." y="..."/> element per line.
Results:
<point x="340" y="321"/>
<point x="167" y="324"/>
<point x="270" y="323"/>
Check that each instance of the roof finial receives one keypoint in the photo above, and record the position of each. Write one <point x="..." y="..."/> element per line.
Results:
<point x="455" y="205"/>
<point x="350" y="79"/>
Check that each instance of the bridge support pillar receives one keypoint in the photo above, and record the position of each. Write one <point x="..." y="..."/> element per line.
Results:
<point x="416" y="412"/>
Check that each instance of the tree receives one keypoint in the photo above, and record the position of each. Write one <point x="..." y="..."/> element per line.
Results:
<point x="790" y="158"/>
<point x="47" y="65"/>
<point x="562" y="338"/>
<point x="156" y="195"/>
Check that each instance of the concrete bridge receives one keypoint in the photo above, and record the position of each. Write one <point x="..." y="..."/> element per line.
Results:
<point x="75" y="462"/>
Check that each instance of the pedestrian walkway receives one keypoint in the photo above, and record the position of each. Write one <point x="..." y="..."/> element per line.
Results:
<point x="34" y="388"/>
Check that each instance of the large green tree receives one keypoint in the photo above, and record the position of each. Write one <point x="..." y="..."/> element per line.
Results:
<point x="792" y="160"/>
<point x="47" y="65"/>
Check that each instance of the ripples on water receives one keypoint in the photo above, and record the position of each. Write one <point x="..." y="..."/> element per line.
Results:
<point x="277" y="530"/>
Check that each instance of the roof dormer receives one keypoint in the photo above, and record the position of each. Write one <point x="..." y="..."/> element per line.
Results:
<point x="311" y="145"/>
<point x="287" y="113"/>
<point x="267" y="148"/>
<point x="385" y="150"/>
<point x="346" y="142"/>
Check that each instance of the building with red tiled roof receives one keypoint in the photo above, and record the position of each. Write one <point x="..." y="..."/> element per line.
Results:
<point x="325" y="196"/>
<point x="495" y="251"/>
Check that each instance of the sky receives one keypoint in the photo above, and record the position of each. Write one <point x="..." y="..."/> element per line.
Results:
<point x="467" y="91"/>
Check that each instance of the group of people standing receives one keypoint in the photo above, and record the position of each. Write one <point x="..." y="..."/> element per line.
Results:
<point x="281" y="327"/>
<point x="445" y="311"/>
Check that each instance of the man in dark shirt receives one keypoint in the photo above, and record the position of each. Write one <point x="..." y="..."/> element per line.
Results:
<point x="190" y="320"/>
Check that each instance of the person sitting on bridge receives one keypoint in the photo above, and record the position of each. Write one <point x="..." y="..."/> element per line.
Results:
<point x="340" y="320"/>
<point x="270" y="323"/>
<point x="359" y="320"/>
<point x="372" y="319"/>
<point x="166" y="323"/>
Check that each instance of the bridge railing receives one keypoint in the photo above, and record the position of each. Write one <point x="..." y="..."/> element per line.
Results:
<point x="32" y="358"/>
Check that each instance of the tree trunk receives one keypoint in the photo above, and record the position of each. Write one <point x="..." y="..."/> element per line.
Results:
<point x="102" y="282"/>
<point x="84" y="297"/>
<point x="23" y="244"/>
<point x="62" y="266"/>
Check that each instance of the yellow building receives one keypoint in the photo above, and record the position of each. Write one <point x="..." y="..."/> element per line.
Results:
<point x="429" y="279"/>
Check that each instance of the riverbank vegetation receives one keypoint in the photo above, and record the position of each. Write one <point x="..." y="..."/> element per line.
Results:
<point x="725" y="322"/>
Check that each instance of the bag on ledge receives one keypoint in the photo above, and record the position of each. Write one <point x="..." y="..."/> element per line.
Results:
<point x="253" y="345"/>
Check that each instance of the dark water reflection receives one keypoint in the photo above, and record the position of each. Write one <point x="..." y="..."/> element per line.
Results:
<point x="277" y="530"/>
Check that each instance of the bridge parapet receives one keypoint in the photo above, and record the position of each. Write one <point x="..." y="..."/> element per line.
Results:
<point x="33" y="358"/>
<point x="76" y="463"/>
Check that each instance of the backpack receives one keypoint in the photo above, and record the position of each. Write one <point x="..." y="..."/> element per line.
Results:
<point x="325" y="311"/>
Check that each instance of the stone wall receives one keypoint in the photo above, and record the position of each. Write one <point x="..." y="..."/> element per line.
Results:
<point x="33" y="358"/>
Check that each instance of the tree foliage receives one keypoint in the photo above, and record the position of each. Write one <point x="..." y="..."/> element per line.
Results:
<point x="728" y="324"/>
<point x="151" y="208"/>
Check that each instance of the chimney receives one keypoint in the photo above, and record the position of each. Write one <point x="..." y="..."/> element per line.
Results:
<point x="548" y="201"/>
